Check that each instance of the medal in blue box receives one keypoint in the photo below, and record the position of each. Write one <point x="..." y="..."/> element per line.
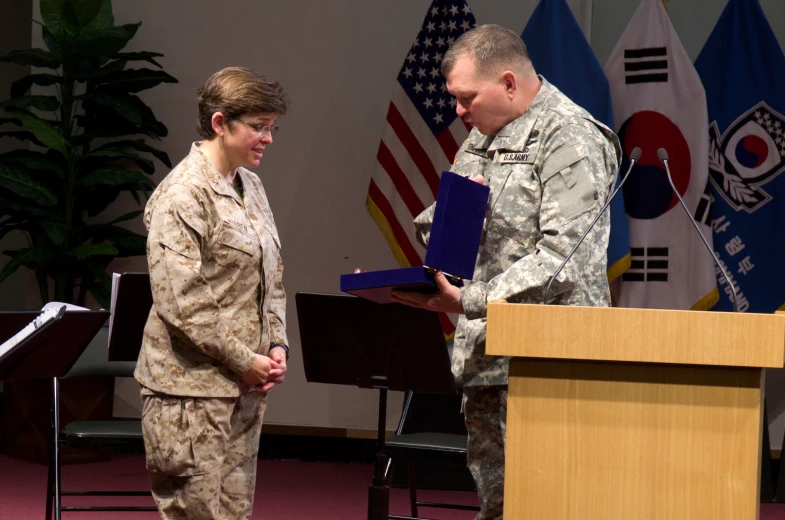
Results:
<point x="452" y="248"/>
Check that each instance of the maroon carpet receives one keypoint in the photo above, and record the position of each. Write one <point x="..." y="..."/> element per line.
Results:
<point x="286" y="490"/>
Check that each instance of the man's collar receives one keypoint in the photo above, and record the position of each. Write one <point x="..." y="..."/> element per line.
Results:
<point x="515" y="135"/>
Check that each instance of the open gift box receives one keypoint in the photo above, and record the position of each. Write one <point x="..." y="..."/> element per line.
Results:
<point x="453" y="246"/>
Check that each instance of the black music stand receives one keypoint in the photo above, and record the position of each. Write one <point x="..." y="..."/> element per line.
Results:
<point x="52" y="349"/>
<point x="50" y="352"/>
<point x="12" y="322"/>
<point x="388" y="347"/>
<point x="134" y="298"/>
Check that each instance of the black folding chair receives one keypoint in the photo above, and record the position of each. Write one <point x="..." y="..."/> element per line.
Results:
<point x="130" y="310"/>
<point x="431" y="430"/>
<point x="110" y="436"/>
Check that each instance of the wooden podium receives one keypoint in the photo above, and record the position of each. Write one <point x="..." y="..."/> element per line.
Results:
<point x="621" y="414"/>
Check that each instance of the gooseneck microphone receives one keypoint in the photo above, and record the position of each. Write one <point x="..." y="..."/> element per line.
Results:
<point x="635" y="155"/>
<point x="662" y="155"/>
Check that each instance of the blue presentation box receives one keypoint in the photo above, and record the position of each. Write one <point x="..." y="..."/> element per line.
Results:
<point x="453" y="245"/>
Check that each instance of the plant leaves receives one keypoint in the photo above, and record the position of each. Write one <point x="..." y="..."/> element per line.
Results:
<point x="22" y="135"/>
<point x="21" y="86"/>
<point x="131" y="245"/>
<point x="101" y="121"/>
<point x="136" y="80"/>
<point x="43" y="131"/>
<point x="54" y="45"/>
<point x="107" y="41"/>
<point x="99" y="273"/>
<point x="100" y="198"/>
<point x="101" y="294"/>
<point x="128" y="216"/>
<point x="115" y="177"/>
<point x="88" y="250"/>
<point x="139" y="56"/>
<point x="91" y="72"/>
<point x="146" y="165"/>
<point x="22" y="257"/>
<point x="16" y="179"/>
<point x="8" y="227"/>
<point x="104" y="18"/>
<point x="32" y="58"/>
<point x="87" y="10"/>
<point x="150" y="125"/>
<point x="123" y="105"/>
<point x="127" y="242"/>
<point x="69" y="19"/>
<point x="101" y="288"/>
<point x="56" y="231"/>
<point x="135" y="195"/>
<point x="141" y="146"/>
<point x="45" y="103"/>
<point x="52" y="14"/>
<point x="33" y="160"/>
<point x="23" y="209"/>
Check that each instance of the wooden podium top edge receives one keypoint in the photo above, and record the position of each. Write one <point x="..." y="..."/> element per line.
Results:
<point x="494" y="303"/>
<point x="636" y="335"/>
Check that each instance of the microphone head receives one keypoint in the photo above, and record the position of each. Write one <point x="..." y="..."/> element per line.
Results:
<point x="635" y="155"/>
<point x="662" y="154"/>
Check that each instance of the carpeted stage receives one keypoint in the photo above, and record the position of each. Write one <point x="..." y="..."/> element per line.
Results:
<point x="286" y="490"/>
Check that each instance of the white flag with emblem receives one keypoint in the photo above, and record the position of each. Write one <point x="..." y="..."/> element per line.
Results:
<point x="659" y="102"/>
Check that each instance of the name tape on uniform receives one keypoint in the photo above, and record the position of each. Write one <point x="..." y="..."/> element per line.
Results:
<point x="515" y="157"/>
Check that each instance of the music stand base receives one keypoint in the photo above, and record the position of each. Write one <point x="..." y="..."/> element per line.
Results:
<point x="379" y="491"/>
<point x="378" y="502"/>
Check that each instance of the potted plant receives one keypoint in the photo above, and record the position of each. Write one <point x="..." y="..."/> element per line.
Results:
<point x="89" y="130"/>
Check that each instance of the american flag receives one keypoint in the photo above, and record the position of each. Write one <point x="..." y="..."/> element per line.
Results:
<point x="421" y="136"/>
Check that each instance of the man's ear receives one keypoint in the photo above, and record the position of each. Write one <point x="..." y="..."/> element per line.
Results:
<point x="510" y="83"/>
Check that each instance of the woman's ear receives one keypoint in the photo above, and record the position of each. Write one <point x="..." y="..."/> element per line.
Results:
<point x="219" y="123"/>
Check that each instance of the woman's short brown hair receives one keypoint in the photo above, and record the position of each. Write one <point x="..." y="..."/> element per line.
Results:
<point x="235" y="91"/>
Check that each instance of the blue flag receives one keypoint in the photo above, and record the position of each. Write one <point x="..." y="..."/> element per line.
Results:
<point x="560" y="52"/>
<point x="743" y="71"/>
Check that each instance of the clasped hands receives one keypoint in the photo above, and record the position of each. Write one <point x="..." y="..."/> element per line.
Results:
<point x="266" y="371"/>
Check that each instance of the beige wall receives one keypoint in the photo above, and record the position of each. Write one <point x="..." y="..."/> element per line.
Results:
<point x="338" y="61"/>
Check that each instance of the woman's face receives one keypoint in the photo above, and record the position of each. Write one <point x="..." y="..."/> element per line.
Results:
<point x="246" y="138"/>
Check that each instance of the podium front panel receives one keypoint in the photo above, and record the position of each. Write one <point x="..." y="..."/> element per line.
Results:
<point x="621" y="441"/>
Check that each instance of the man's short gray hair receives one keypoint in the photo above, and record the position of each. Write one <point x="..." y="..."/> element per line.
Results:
<point x="493" y="48"/>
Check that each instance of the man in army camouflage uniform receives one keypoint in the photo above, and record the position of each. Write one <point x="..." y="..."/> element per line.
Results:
<point x="215" y="340"/>
<point x="550" y="167"/>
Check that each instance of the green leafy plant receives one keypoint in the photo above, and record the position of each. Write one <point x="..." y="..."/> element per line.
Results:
<point x="88" y="133"/>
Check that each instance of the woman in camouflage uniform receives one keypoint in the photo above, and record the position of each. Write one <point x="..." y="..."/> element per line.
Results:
<point x="215" y="341"/>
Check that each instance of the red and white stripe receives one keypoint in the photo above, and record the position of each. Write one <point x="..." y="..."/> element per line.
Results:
<point x="410" y="162"/>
